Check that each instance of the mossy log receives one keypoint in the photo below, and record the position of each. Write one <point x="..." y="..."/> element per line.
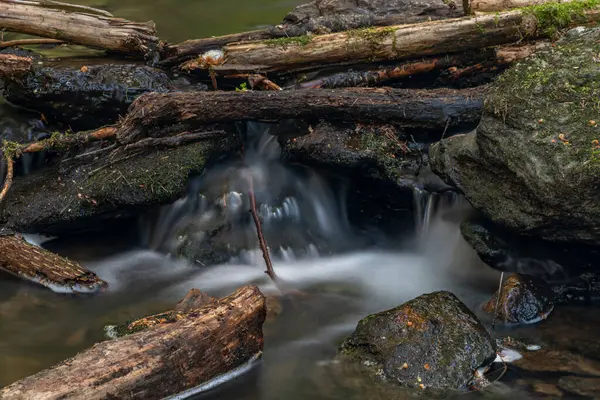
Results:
<point x="78" y="25"/>
<point x="162" y="360"/>
<point x="14" y="66"/>
<point x="404" y="42"/>
<point x="35" y="264"/>
<point x="501" y="5"/>
<point x="152" y="113"/>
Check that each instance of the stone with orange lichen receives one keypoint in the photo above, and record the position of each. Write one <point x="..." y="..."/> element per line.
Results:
<point x="442" y="347"/>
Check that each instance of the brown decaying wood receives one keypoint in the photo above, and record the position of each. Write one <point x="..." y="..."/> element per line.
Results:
<point x="14" y="66"/>
<point x="394" y="43"/>
<point x="66" y="141"/>
<point x="99" y="31"/>
<point x="28" y="42"/>
<point x="33" y="263"/>
<point x="151" y="113"/>
<point x="159" y="361"/>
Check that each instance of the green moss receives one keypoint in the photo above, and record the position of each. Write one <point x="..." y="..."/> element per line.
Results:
<point x="552" y="17"/>
<point x="371" y="37"/>
<point x="555" y="93"/>
<point x="10" y="149"/>
<point x="289" y="41"/>
<point x="387" y="148"/>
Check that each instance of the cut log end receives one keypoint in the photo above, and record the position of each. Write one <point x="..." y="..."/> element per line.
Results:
<point x="35" y="264"/>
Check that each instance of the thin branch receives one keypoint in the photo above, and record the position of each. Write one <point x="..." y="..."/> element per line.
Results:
<point x="9" y="176"/>
<point x="497" y="300"/>
<point x="261" y="239"/>
<point x="28" y="42"/>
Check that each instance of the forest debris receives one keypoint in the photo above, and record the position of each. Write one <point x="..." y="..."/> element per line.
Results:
<point x="160" y="361"/>
<point x="79" y="25"/>
<point x="407" y="41"/>
<point x="28" y="42"/>
<point x="35" y="264"/>
<point x="14" y="66"/>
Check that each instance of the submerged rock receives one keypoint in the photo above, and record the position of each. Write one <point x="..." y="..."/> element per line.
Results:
<point x="524" y="299"/>
<point x="85" y="98"/>
<point x="433" y="341"/>
<point x="533" y="165"/>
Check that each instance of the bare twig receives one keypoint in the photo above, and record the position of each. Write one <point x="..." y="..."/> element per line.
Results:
<point x="28" y="42"/>
<point x="497" y="300"/>
<point x="9" y="176"/>
<point x="174" y="141"/>
<point x="261" y="239"/>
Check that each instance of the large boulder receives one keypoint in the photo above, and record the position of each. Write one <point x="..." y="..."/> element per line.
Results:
<point x="533" y="164"/>
<point x="433" y="341"/>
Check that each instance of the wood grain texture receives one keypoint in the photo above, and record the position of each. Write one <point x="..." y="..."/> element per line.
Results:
<point x="160" y="361"/>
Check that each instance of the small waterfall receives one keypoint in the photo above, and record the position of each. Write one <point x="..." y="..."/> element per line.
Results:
<point x="429" y="206"/>
<point x="301" y="212"/>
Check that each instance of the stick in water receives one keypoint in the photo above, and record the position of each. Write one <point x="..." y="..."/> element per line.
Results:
<point x="261" y="239"/>
<point x="497" y="300"/>
<point x="9" y="177"/>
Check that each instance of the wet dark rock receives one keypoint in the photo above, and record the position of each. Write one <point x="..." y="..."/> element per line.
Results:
<point x="533" y="164"/>
<point x="524" y="299"/>
<point x="379" y="152"/>
<point x="80" y="196"/>
<point x="85" y="98"/>
<point x="588" y="387"/>
<point x="433" y="341"/>
<point x="325" y="16"/>
<point x="504" y="250"/>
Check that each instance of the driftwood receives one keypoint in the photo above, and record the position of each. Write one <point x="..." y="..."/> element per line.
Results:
<point x="58" y="21"/>
<point x="171" y="357"/>
<point x="14" y="66"/>
<point x="151" y="113"/>
<point x="393" y="43"/>
<point x="35" y="264"/>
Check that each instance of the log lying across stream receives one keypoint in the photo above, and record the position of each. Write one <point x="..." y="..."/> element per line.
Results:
<point x="78" y="25"/>
<point x="184" y="351"/>
<point x="152" y="113"/>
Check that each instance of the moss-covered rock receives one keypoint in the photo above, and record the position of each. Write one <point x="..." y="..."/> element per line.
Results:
<point x="85" y="97"/>
<point x="533" y="165"/>
<point x="72" y="197"/>
<point x="433" y="341"/>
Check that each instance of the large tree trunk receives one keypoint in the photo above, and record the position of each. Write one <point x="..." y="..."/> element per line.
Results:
<point x="35" y="264"/>
<point x="153" y="113"/>
<point x="393" y="43"/>
<point x="49" y="19"/>
<point x="174" y="356"/>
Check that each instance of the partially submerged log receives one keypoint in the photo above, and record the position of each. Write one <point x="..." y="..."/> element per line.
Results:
<point x="402" y="42"/>
<point x="165" y="359"/>
<point x="12" y="66"/>
<point x="35" y="264"/>
<point x="50" y="19"/>
<point x="441" y="109"/>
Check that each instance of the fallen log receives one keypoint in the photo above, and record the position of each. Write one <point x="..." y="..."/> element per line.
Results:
<point x="12" y="66"/>
<point x="408" y="41"/>
<point x="494" y="57"/>
<point x="151" y="114"/>
<point x="78" y="26"/>
<point x="35" y="264"/>
<point x="162" y="360"/>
